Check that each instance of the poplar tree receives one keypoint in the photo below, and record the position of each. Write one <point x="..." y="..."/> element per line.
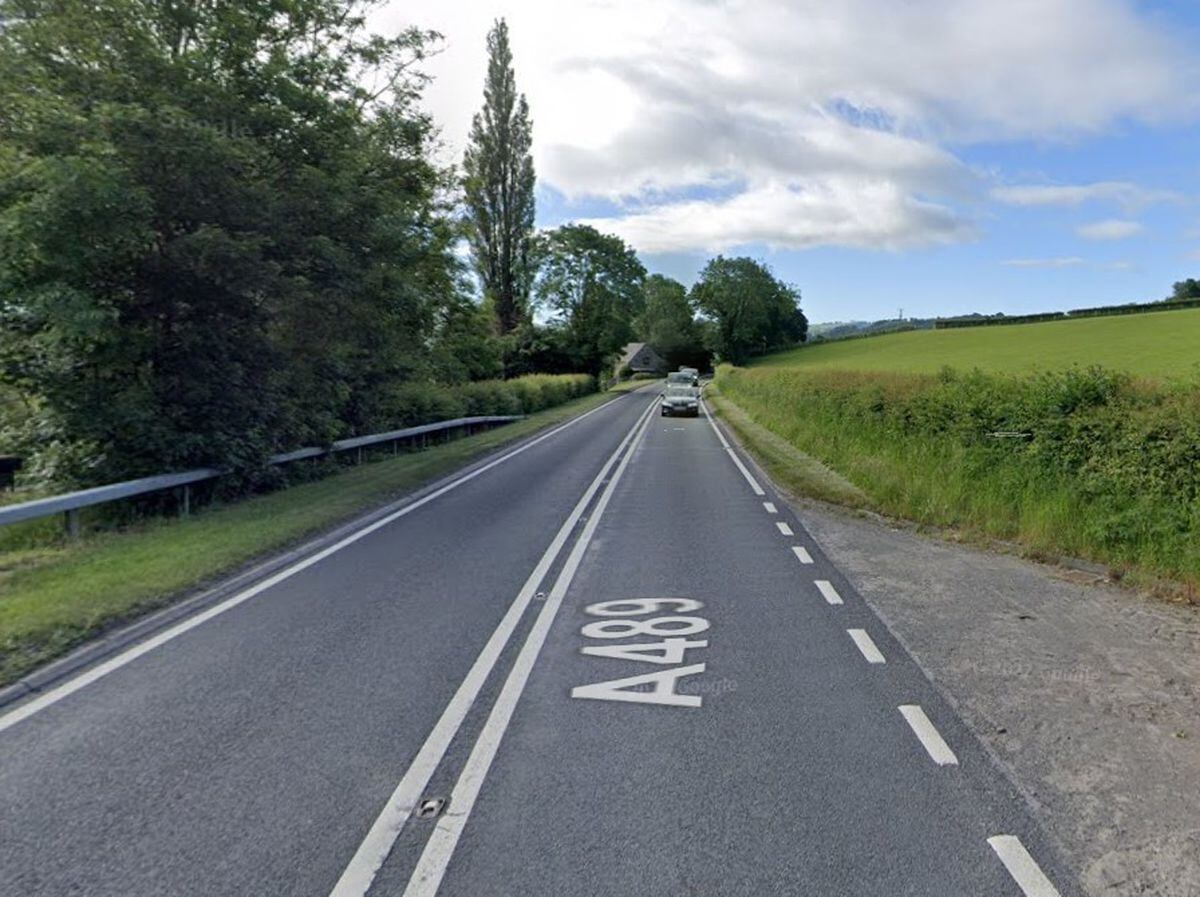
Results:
<point x="498" y="184"/>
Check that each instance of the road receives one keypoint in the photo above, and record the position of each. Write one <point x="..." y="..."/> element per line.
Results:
<point x="611" y="661"/>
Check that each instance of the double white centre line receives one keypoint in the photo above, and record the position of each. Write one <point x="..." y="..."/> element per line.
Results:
<point x="431" y="867"/>
<point x="371" y="854"/>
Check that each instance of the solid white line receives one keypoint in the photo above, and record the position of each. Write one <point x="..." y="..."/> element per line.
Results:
<point x="1022" y="867"/>
<point x="802" y="553"/>
<point x="932" y="741"/>
<point x="90" y="675"/>
<point x="828" y="591"/>
<point x="866" y="645"/>
<point x="758" y="490"/>
<point x="784" y="528"/>
<point x="431" y="867"/>
<point x="770" y="507"/>
<point x="360" y="872"/>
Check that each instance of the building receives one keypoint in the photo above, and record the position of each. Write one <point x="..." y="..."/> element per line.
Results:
<point x="641" y="359"/>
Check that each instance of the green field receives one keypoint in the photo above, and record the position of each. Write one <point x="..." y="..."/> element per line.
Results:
<point x="1161" y="344"/>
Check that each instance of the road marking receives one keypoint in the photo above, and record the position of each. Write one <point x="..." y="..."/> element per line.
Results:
<point x="770" y="507"/>
<point x="1022" y="867"/>
<point x="784" y="528"/>
<point x="758" y="490"/>
<point x="431" y="867"/>
<point x="929" y="737"/>
<point x="866" y="645"/>
<point x="828" y="591"/>
<point x="802" y="553"/>
<point x="360" y="872"/>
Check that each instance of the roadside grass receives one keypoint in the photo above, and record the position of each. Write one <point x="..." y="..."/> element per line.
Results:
<point x="1110" y="476"/>
<point x="52" y="598"/>
<point x="1157" y="344"/>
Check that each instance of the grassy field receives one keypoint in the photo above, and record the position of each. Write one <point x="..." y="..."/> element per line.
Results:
<point x="1161" y="344"/>
<point x="54" y="597"/>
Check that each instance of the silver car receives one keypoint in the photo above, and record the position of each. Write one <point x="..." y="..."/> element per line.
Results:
<point x="681" y="399"/>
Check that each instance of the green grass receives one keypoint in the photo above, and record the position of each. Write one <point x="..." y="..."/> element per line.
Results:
<point x="1160" y="345"/>
<point x="53" y="598"/>
<point x="1109" y="468"/>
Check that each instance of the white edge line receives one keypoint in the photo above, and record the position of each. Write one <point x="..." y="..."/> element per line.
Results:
<point x="360" y="872"/>
<point x="828" y="591"/>
<point x="784" y="528"/>
<point x="758" y="490"/>
<point x="88" y="676"/>
<point x="802" y="554"/>
<point x="431" y="867"/>
<point x="1022" y="867"/>
<point x="928" y="735"/>
<point x="867" y="646"/>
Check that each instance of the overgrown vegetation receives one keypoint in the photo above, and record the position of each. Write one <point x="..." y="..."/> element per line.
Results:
<point x="1082" y="462"/>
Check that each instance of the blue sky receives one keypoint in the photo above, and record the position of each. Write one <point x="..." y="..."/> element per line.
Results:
<point x="940" y="156"/>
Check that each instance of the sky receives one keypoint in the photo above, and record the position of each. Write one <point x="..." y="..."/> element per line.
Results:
<point x="935" y="156"/>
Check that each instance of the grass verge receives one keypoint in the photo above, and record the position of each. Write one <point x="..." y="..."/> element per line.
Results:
<point x="797" y="472"/>
<point x="54" y="598"/>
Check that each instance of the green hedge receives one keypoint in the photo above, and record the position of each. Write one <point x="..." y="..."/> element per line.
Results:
<point x="1131" y="308"/>
<point x="421" y="403"/>
<point x="1087" y="462"/>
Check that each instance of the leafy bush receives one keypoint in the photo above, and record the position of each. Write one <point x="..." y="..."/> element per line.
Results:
<point x="1083" y="461"/>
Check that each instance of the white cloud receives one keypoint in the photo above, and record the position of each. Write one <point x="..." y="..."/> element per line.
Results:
<point x="1123" y="193"/>
<point x="803" y="114"/>
<point x="1110" y="229"/>
<point x="1069" y="262"/>
<point x="835" y="211"/>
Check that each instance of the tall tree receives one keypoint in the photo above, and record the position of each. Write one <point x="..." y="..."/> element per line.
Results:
<point x="752" y="311"/>
<point x="498" y="183"/>
<point x="592" y="283"/>
<point x="220" y="231"/>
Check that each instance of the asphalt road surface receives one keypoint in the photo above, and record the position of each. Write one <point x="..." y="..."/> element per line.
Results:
<point x="608" y="662"/>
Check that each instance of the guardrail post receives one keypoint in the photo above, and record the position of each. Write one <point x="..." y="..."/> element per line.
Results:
<point x="185" y="501"/>
<point x="71" y="523"/>
<point x="359" y="454"/>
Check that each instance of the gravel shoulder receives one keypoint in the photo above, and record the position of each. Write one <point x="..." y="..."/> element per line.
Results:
<point x="1087" y="693"/>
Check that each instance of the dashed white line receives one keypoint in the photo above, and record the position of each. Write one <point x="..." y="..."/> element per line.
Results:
<point x="929" y="737"/>
<point x="784" y="528"/>
<point x="770" y="507"/>
<point x="866" y="645"/>
<point x="1022" y="867"/>
<point x="827" y="589"/>
<point x="802" y="553"/>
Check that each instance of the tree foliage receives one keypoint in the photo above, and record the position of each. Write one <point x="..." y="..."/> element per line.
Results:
<point x="220" y="230"/>
<point x="667" y="322"/>
<point x="591" y="283"/>
<point x="498" y="184"/>
<point x="752" y="311"/>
